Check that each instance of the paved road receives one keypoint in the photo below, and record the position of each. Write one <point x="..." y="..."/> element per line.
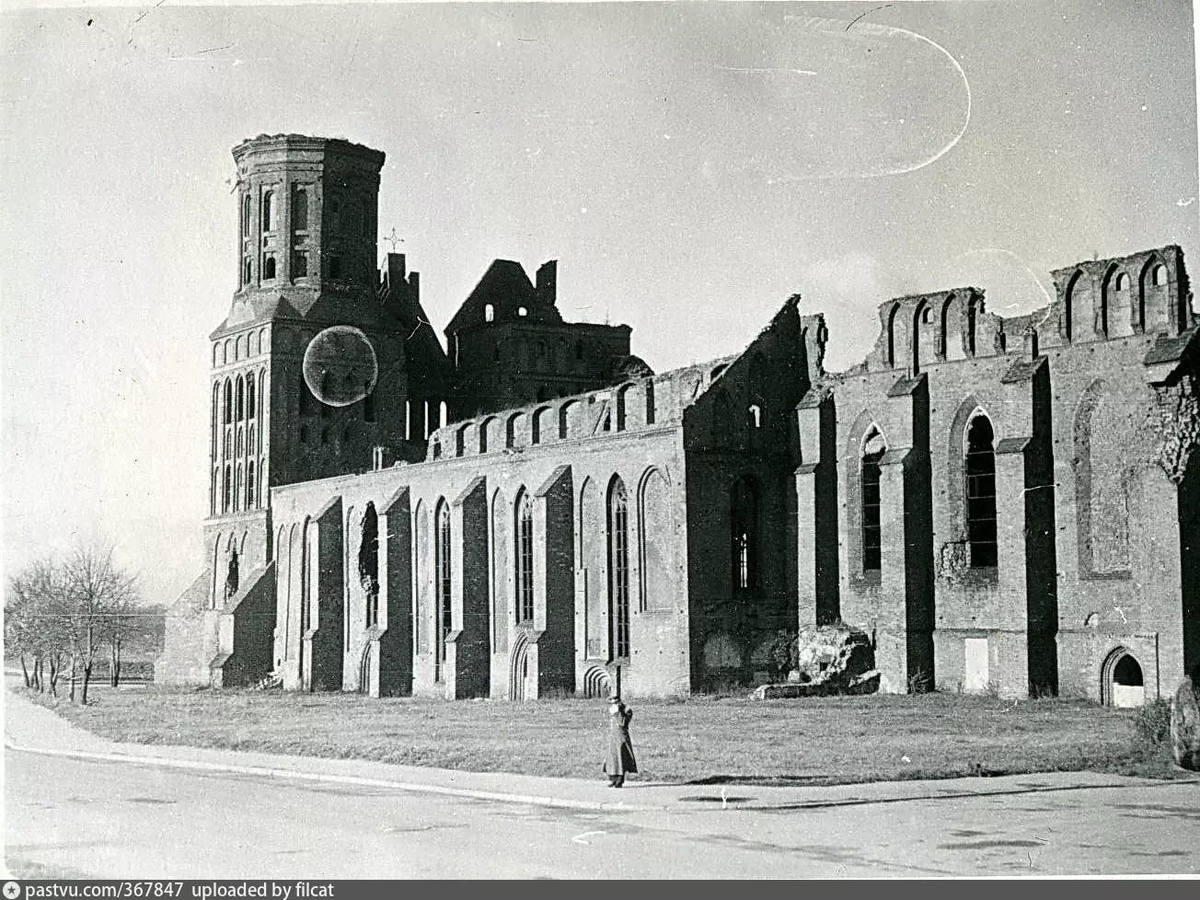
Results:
<point x="127" y="820"/>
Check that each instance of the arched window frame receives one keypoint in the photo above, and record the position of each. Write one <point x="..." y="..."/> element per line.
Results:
<point x="722" y="418"/>
<point x="442" y="573"/>
<point x="216" y="421"/>
<point x="268" y="203"/>
<point x="299" y="208"/>
<point x="893" y="315"/>
<point x="979" y="491"/>
<point x="870" y="475"/>
<point x="972" y="325"/>
<point x="743" y="521"/>
<point x="368" y="563"/>
<point x="524" y="579"/>
<point x="618" y="567"/>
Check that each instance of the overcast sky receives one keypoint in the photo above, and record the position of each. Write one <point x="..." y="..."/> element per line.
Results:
<point x="690" y="166"/>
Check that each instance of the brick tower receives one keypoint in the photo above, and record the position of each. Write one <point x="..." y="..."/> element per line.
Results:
<point x="309" y="302"/>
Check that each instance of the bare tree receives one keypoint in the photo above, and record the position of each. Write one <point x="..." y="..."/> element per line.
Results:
<point x="94" y="590"/>
<point x="127" y="625"/>
<point x="31" y="624"/>
<point x="18" y="633"/>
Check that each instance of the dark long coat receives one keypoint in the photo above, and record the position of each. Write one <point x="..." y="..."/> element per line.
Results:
<point x="620" y="748"/>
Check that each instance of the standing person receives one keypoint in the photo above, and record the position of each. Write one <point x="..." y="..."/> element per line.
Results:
<point x="620" y="748"/>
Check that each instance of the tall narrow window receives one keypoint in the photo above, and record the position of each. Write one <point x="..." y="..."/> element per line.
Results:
<point x="216" y="420"/>
<point x="299" y="264"/>
<point x="299" y="209"/>
<point x="250" y="411"/>
<point x="891" y="335"/>
<point x="227" y="488"/>
<point x="442" y="567"/>
<point x="228" y="401"/>
<point x="306" y="398"/>
<point x="872" y="534"/>
<point x="250" y="495"/>
<point x="721" y="417"/>
<point x="246" y="271"/>
<point x="972" y="312"/>
<point x="268" y="268"/>
<point x="368" y="563"/>
<point x="241" y="399"/>
<point x="246" y="208"/>
<point x="524" y="559"/>
<point x="743" y="518"/>
<point x="268" y="221"/>
<point x="618" y="566"/>
<point x="981" y="493"/>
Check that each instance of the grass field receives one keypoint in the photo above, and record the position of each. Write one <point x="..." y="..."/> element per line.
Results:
<point x="823" y="740"/>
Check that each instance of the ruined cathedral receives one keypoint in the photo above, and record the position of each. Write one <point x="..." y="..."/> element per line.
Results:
<point x="1007" y="504"/>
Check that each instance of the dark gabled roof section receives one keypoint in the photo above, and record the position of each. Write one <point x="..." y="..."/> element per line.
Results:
<point x="1172" y="348"/>
<point x="504" y="285"/>
<point x="265" y="310"/>
<point x="1023" y="370"/>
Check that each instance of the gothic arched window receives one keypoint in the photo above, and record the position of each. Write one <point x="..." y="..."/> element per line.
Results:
<point x="872" y="532"/>
<point x="524" y="558"/>
<point x="618" y="566"/>
<point x="743" y="518"/>
<point x="721" y="417"/>
<point x="268" y="201"/>
<point x="216" y="419"/>
<point x="981" y="493"/>
<point x="299" y="209"/>
<point x="442" y="573"/>
<point x="368" y="563"/>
